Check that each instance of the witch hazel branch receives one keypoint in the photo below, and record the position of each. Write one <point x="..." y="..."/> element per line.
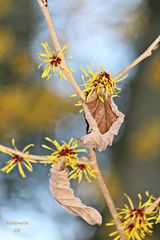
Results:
<point x="103" y="121"/>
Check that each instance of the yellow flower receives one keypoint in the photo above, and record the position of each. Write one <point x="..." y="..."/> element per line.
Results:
<point x="53" y="62"/>
<point x="100" y="82"/>
<point x="69" y="151"/>
<point x="137" y="221"/>
<point x="80" y="169"/>
<point x="17" y="160"/>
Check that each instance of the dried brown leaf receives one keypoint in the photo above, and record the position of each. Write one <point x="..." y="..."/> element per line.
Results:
<point x="102" y="113"/>
<point x="64" y="195"/>
<point x="103" y="120"/>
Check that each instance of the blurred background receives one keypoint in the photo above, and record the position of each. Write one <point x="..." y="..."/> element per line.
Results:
<point x="108" y="33"/>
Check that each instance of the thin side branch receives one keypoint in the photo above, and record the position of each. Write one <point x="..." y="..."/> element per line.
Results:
<point x="154" y="205"/>
<point x="38" y="158"/>
<point x="57" y="47"/>
<point x="152" y="48"/>
<point x="22" y="154"/>
<point x="107" y="196"/>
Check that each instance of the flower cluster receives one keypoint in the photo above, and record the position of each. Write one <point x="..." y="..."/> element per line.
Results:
<point x="138" y="221"/>
<point x="69" y="152"/>
<point x="18" y="160"/>
<point x="80" y="169"/>
<point x="53" y="62"/>
<point x="100" y="83"/>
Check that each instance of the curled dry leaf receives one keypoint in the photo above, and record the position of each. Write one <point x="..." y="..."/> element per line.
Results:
<point x="103" y="122"/>
<point x="64" y="195"/>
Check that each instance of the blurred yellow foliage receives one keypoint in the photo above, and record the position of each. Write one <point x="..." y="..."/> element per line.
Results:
<point x="114" y="184"/>
<point x="145" y="142"/>
<point x="32" y="109"/>
<point x="22" y="63"/>
<point x="5" y="6"/>
<point x="154" y="73"/>
<point x="6" y="42"/>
